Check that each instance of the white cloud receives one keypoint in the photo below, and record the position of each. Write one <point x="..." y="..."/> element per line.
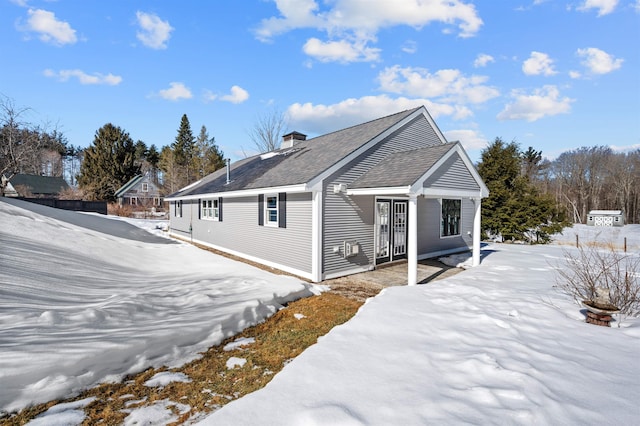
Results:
<point x="358" y="22"/>
<point x="50" y="29"/>
<point x="482" y="60"/>
<point x="209" y="96"/>
<point x="538" y="63"/>
<point x="470" y="139"/>
<point x="411" y="46"/>
<point x="237" y="95"/>
<point x="575" y="74"/>
<point x="604" y="6"/>
<point x="627" y="148"/>
<point x="598" y="61"/>
<point x="320" y="119"/>
<point x="340" y="51"/>
<point x="543" y="102"/>
<point x="154" y="31"/>
<point x="84" y="78"/>
<point x="449" y="84"/>
<point x="175" y="92"/>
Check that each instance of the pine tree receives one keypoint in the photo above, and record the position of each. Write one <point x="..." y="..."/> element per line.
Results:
<point x="183" y="150"/>
<point x="108" y="163"/>
<point x="209" y="157"/>
<point x="515" y="209"/>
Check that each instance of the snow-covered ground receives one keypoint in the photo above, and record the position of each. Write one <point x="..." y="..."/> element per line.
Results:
<point x="602" y="235"/>
<point x="495" y="344"/>
<point x="86" y="299"/>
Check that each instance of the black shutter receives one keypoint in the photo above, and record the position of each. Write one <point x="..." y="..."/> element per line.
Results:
<point x="220" y="209"/>
<point x="282" y="210"/>
<point x="261" y="209"/>
<point x="199" y="208"/>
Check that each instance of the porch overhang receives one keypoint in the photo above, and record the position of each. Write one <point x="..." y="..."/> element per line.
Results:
<point x="413" y="192"/>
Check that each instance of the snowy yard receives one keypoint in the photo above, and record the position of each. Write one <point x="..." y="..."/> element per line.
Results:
<point x="86" y="299"/>
<point x="496" y="344"/>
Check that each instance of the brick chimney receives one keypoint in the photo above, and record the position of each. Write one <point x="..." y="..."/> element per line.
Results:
<point x="291" y="139"/>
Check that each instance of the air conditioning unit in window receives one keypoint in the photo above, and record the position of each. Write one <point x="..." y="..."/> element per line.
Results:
<point x="350" y="249"/>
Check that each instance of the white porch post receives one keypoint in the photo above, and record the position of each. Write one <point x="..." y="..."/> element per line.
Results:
<point x="476" y="232"/>
<point x="316" y="237"/>
<point x="412" y="249"/>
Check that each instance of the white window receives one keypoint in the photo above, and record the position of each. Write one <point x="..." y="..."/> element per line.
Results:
<point x="210" y="209"/>
<point x="178" y="208"/>
<point x="145" y="187"/>
<point x="271" y="209"/>
<point x="450" y="222"/>
<point x="133" y="201"/>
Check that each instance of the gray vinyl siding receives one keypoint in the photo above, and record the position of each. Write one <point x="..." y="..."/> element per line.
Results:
<point x="239" y="231"/>
<point x="351" y="218"/>
<point x="180" y="225"/>
<point x="429" y="216"/>
<point x="453" y="174"/>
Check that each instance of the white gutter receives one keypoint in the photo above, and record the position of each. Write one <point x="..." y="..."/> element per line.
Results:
<point x="245" y="192"/>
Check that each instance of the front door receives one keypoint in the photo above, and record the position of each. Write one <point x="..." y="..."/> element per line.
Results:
<point x="391" y="230"/>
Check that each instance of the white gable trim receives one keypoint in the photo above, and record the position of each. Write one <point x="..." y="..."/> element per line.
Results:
<point x="337" y="166"/>
<point x="417" y="187"/>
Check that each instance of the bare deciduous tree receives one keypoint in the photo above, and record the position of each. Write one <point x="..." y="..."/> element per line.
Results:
<point x="17" y="142"/>
<point x="268" y="129"/>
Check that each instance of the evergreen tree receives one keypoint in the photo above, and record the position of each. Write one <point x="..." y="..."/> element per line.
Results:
<point x="153" y="158"/>
<point x="183" y="151"/>
<point x="515" y="209"/>
<point x="209" y="157"/>
<point x="108" y="163"/>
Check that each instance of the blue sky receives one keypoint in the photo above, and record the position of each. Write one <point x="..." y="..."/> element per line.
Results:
<point x="552" y="74"/>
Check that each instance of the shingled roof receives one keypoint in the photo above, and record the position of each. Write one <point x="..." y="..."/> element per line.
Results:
<point x="397" y="170"/>
<point x="40" y="185"/>
<point x="296" y="165"/>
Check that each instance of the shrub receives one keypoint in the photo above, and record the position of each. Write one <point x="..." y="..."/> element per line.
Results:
<point x="591" y="266"/>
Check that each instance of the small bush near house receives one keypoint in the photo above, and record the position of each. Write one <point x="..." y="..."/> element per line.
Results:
<point x="596" y="266"/>
<point x="118" y="210"/>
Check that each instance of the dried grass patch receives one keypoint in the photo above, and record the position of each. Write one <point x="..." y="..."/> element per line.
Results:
<point x="278" y="340"/>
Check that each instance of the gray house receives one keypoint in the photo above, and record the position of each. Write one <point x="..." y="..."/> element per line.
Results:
<point x="341" y="203"/>
<point x="23" y="185"/>
<point x="139" y="191"/>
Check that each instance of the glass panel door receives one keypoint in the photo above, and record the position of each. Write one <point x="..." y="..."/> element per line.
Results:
<point x="399" y="229"/>
<point x="382" y="231"/>
<point x="391" y="230"/>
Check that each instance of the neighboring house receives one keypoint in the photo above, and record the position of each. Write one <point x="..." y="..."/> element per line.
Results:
<point x="139" y="191"/>
<point x="342" y="203"/>
<point x="22" y="185"/>
<point x="605" y="218"/>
